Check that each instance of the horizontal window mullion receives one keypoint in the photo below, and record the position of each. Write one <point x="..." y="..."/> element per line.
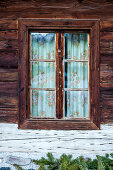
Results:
<point x="43" y="89"/>
<point x="76" y="89"/>
<point x="75" y="60"/>
<point x="42" y="60"/>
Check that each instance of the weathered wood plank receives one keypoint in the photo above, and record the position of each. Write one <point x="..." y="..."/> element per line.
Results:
<point x="8" y="44"/>
<point x="8" y="94"/>
<point x="8" y="34"/>
<point x="8" y="101"/>
<point x="9" y="115"/>
<point x="106" y="36"/>
<point x="83" y="5"/>
<point x="106" y="25"/>
<point x="8" y="75"/>
<point x="9" y="58"/>
<point x="106" y="105"/>
<point x="106" y="46"/>
<point x="106" y="86"/>
<point x="10" y="87"/>
<point x="6" y="23"/>
<point x="106" y="73"/>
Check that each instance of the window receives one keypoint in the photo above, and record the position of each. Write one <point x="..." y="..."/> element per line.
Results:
<point x="59" y="74"/>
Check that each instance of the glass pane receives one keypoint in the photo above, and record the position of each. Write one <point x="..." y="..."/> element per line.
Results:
<point x="42" y="46"/>
<point x="76" y="46"/>
<point x="43" y="104"/>
<point x="76" y="104"/>
<point x="43" y="74"/>
<point x="76" y="75"/>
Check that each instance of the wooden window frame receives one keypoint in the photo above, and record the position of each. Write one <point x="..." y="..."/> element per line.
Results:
<point x="91" y="123"/>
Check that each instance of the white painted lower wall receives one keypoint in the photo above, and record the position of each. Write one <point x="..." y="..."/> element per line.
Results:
<point x="77" y="142"/>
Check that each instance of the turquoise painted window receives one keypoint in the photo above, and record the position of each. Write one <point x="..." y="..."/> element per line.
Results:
<point x="43" y="75"/>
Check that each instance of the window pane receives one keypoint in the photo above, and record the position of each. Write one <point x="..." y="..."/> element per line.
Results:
<point x="43" y="74"/>
<point x="76" y="46"/>
<point x="42" y="46"/>
<point x="43" y="104"/>
<point x="76" y="104"/>
<point x="76" y="75"/>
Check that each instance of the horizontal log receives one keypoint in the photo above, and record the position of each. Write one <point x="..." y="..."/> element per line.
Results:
<point x="8" y="34"/>
<point x="9" y="115"/>
<point x="48" y="12"/>
<point x="8" y="44"/>
<point x="106" y="86"/>
<point x="9" y="58"/>
<point x="9" y="87"/>
<point x="8" y="101"/>
<point x="8" y="75"/>
<point x="106" y="25"/>
<point x="106" y="36"/>
<point x="106" y="72"/>
<point x="106" y="47"/>
<point x="83" y="5"/>
<point x="6" y="24"/>
<point x="106" y="104"/>
<point x="8" y="94"/>
<point x="106" y="115"/>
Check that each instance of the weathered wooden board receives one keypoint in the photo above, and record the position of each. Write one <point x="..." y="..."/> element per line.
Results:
<point x="106" y="105"/>
<point x="6" y="24"/>
<point x="46" y="9"/>
<point x="106" y="25"/>
<point x="106" y="73"/>
<point x="9" y="34"/>
<point x="8" y="75"/>
<point x="8" y="44"/>
<point x="8" y="58"/>
<point x="106" y="47"/>
<point x="9" y="115"/>
<point x="8" y="94"/>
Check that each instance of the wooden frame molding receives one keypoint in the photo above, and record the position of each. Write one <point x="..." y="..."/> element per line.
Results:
<point x="91" y="123"/>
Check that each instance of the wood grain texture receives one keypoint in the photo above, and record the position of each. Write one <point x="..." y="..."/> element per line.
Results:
<point x="56" y="9"/>
<point x="8" y="75"/>
<point x="8" y="44"/>
<point x="9" y="34"/>
<point x="6" y="24"/>
<point x="106" y="105"/>
<point x="106" y="47"/>
<point x="106" y="73"/>
<point x="106" y="25"/>
<point x="8" y="94"/>
<point x="8" y="58"/>
<point x="9" y="115"/>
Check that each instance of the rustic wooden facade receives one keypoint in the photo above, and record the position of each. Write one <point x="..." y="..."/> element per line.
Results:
<point x="11" y="11"/>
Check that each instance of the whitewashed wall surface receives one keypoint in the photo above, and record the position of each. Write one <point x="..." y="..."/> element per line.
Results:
<point x="36" y="143"/>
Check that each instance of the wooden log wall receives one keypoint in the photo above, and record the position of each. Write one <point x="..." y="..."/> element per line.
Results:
<point x="11" y="10"/>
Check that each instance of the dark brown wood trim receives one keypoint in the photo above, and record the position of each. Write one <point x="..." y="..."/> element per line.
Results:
<point x="94" y="75"/>
<point x="59" y="125"/>
<point x="57" y="78"/>
<point x="54" y="24"/>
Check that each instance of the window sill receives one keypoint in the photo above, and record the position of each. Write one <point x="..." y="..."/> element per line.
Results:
<point x="58" y="124"/>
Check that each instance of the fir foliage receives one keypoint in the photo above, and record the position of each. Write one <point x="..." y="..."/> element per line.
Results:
<point x="65" y="162"/>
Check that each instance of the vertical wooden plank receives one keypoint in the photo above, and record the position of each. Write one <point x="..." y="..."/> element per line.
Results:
<point x="94" y="75"/>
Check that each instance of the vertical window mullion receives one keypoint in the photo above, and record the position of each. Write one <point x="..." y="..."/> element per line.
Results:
<point x="59" y="75"/>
